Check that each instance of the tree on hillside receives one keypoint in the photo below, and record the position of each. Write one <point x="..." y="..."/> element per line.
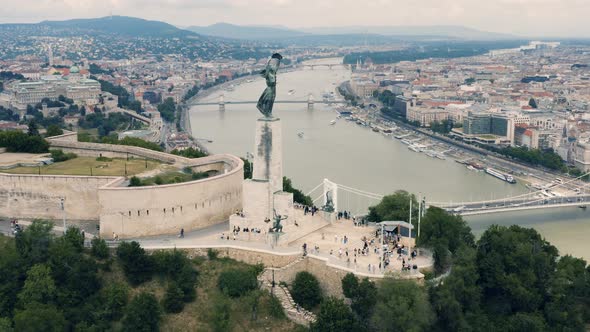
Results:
<point x="39" y="286"/>
<point x="569" y="304"/>
<point x="114" y="299"/>
<point x="515" y="265"/>
<point x="33" y="243"/>
<point x="298" y="195"/>
<point x="402" y="305"/>
<point x="54" y="130"/>
<point x="39" y="317"/>
<point x="439" y="226"/>
<point x="167" y="109"/>
<point x="363" y="295"/>
<point x="137" y="265"/>
<point x="33" y="128"/>
<point x="457" y="300"/>
<point x="173" y="299"/>
<point x="11" y="277"/>
<point x="334" y="316"/>
<point x="237" y="282"/>
<point x="394" y="207"/>
<point x="142" y="314"/>
<point x="306" y="290"/>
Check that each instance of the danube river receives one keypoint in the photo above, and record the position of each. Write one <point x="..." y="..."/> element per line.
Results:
<point x="357" y="157"/>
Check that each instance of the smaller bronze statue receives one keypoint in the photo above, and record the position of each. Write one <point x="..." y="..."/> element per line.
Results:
<point x="276" y="226"/>
<point x="267" y="99"/>
<point x="329" y="207"/>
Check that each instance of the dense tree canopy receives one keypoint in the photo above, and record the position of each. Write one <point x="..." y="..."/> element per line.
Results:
<point x="298" y="195"/>
<point x="17" y="141"/>
<point x="306" y="290"/>
<point x="513" y="280"/>
<point x="394" y="207"/>
<point x="143" y="314"/>
<point x="167" y="109"/>
<point x="237" y="282"/>
<point x="334" y="316"/>
<point x="189" y="153"/>
<point x="402" y="305"/>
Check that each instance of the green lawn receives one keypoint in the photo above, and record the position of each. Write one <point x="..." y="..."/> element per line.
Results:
<point x="90" y="166"/>
<point x="174" y="176"/>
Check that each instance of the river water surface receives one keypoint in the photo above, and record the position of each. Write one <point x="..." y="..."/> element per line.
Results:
<point x="357" y="157"/>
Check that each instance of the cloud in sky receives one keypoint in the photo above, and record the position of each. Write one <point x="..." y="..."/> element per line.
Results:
<point x="521" y="17"/>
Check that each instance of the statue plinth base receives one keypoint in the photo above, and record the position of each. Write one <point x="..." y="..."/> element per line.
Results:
<point x="263" y="194"/>
<point x="268" y="153"/>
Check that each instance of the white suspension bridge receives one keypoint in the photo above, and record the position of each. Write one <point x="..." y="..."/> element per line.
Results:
<point x="357" y="201"/>
<point x="310" y="101"/>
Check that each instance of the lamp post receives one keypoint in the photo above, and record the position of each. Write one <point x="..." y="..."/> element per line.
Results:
<point x="381" y="249"/>
<point x="410" y="230"/>
<point x="419" y="213"/>
<point x="63" y="210"/>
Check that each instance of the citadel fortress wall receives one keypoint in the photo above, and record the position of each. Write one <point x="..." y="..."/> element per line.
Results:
<point x="127" y="211"/>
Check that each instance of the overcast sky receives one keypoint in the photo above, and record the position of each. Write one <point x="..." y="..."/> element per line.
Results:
<point x="549" y="18"/>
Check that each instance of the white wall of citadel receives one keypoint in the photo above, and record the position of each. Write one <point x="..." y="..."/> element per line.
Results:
<point x="39" y="196"/>
<point x="144" y="211"/>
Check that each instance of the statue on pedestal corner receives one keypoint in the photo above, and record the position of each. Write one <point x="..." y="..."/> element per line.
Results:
<point x="276" y="226"/>
<point x="267" y="99"/>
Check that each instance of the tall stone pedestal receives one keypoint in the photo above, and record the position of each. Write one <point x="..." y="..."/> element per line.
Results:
<point x="268" y="153"/>
<point x="263" y="194"/>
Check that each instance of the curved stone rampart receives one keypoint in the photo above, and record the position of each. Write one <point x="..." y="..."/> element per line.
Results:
<point x="166" y="209"/>
<point x="39" y="196"/>
<point x="127" y="211"/>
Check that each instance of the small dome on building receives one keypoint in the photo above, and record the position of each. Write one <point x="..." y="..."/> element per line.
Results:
<point x="74" y="70"/>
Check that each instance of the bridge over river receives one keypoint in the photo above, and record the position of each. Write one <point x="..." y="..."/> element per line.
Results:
<point x="221" y="102"/>
<point x="538" y="199"/>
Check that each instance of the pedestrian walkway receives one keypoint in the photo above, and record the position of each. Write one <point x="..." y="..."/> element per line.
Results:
<point x="293" y="311"/>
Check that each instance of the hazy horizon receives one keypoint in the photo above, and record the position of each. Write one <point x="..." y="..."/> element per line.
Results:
<point x="526" y="18"/>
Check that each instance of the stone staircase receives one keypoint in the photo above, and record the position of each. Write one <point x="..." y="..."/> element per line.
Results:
<point x="294" y="312"/>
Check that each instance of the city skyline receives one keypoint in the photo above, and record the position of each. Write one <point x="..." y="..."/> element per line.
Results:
<point x="527" y="18"/>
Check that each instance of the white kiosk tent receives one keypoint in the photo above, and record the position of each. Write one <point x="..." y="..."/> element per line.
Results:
<point x="390" y="226"/>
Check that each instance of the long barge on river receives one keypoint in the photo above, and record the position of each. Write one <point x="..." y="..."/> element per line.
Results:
<point x="504" y="177"/>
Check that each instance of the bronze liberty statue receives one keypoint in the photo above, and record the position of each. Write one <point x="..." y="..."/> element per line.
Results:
<point x="267" y="99"/>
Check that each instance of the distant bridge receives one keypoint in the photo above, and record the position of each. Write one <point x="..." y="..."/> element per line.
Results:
<point x="222" y="102"/>
<point x="324" y="65"/>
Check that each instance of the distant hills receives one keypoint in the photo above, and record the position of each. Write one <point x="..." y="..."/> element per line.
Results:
<point x="226" y="30"/>
<point x="119" y="25"/>
<point x="441" y="31"/>
<point x="137" y="27"/>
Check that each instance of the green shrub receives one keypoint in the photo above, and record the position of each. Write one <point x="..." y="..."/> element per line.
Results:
<point x="17" y="141"/>
<point x="179" y="268"/>
<point x="143" y="314"/>
<point x="75" y="237"/>
<point x="99" y="248"/>
<point x="306" y="290"/>
<point x="199" y="175"/>
<point x="212" y="254"/>
<point x="237" y="282"/>
<point x="59" y="155"/>
<point x="137" y="265"/>
<point x="220" y="318"/>
<point x="275" y="308"/>
<point x="114" y="299"/>
<point x="104" y="159"/>
<point x="173" y="301"/>
<point x="53" y="130"/>
<point x="135" y="182"/>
